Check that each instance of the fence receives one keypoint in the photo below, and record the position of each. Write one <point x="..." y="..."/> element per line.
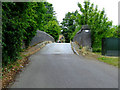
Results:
<point x="111" y="46"/>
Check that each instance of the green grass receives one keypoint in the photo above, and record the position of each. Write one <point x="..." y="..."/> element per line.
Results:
<point x="109" y="60"/>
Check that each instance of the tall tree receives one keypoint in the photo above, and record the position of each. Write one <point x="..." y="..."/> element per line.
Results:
<point x="97" y="20"/>
<point x="69" y="25"/>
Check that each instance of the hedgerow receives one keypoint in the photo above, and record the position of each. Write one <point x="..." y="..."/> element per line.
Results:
<point x="20" y="21"/>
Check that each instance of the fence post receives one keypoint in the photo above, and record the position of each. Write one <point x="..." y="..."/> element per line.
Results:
<point x="103" y="46"/>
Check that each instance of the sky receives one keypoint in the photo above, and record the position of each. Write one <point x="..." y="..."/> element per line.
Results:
<point x="61" y="7"/>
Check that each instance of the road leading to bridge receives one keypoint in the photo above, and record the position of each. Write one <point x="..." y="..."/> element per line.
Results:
<point x="56" y="66"/>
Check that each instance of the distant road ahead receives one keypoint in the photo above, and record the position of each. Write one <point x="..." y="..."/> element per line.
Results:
<point x="56" y="66"/>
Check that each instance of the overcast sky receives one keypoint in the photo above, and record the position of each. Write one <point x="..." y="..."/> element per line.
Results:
<point x="61" y="7"/>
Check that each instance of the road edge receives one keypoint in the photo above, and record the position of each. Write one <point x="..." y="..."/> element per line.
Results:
<point x="9" y="75"/>
<point x="73" y="48"/>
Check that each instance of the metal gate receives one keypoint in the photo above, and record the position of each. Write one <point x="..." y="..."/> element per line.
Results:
<point x="110" y="46"/>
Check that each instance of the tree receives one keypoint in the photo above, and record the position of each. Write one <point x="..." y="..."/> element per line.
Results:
<point x="118" y="31"/>
<point x="12" y="33"/>
<point x="20" y="20"/>
<point x="115" y="31"/>
<point x="97" y="20"/>
<point x="53" y="29"/>
<point x="50" y="23"/>
<point x="99" y="24"/>
<point x="69" y="25"/>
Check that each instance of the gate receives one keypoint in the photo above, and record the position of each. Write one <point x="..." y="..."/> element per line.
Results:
<point x="110" y="46"/>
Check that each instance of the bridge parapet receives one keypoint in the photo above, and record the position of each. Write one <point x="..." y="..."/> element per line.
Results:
<point x="83" y="37"/>
<point x="41" y="37"/>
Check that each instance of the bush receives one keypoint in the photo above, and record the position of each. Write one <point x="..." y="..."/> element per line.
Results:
<point x="96" y="49"/>
<point x="53" y="29"/>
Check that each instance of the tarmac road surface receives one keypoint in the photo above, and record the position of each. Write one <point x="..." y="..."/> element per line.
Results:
<point x="56" y="66"/>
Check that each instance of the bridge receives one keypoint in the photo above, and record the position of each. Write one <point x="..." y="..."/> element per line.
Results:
<point x="56" y="66"/>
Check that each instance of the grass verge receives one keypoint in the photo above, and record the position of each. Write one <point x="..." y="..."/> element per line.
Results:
<point x="109" y="60"/>
<point x="97" y="56"/>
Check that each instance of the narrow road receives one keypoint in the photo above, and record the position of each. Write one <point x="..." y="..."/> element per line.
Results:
<point x="56" y="66"/>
